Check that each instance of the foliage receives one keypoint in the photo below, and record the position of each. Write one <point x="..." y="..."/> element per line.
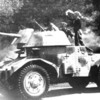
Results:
<point x="45" y="10"/>
<point x="14" y="13"/>
<point x="96" y="11"/>
<point x="7" y="9"/>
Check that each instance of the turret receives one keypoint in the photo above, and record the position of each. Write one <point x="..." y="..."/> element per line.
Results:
<point x="20" y="39"/>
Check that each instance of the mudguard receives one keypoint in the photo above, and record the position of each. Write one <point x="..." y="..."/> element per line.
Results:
<point x="17" y="64"/>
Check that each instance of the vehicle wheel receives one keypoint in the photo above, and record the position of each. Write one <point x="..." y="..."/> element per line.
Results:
<point x="33" y="82"/>
<point x="95" y="75"/>
<point x="98" y="79"/>
<point x="78" y="82"/>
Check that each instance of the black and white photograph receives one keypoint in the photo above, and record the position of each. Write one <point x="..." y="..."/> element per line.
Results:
<point x="49" y="49"/>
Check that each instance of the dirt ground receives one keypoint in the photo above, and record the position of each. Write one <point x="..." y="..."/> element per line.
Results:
<point x="60" y="91"/>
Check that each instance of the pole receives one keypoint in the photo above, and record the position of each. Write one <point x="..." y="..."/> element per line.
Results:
<point x="38" y="25"/>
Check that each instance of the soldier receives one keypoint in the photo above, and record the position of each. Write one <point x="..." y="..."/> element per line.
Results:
<point x="75" y="22"/>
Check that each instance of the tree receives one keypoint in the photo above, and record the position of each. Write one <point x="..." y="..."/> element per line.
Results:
<point x="14" y="13"/>
<point x="96" y="5"/>
<point x="42" y="10"/>
<point x="8" y="7"/>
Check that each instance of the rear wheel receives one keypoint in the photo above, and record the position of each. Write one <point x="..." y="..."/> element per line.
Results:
<point x="33" y="82"/>
<point x="78" y="82"/>
<point x="95" y="75"/>
<point x="98" y="79"/>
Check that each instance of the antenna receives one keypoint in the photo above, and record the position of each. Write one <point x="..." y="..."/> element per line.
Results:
<point x="38" y="25"/>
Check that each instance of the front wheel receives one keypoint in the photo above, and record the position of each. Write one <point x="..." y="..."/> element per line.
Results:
<point x="33" y="82"/>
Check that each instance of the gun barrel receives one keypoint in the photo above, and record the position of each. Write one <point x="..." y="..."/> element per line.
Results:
<point x="10" y="34"/>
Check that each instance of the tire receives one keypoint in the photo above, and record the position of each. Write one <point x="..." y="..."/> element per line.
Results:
<point x="33" y="82"/>
<point x="79" y="83"/>
<point x="95" y="75"/>
<point x="98" y="79"/>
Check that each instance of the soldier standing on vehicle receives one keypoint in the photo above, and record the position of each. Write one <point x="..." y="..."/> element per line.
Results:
<point x="75" y="22"/>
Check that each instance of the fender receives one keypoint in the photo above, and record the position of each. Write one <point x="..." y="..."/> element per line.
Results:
<point x="16" y="65"/>
<point x="96" y="60"/>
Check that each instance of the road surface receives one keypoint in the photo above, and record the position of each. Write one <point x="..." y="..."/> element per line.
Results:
<point x="61" y="92"/>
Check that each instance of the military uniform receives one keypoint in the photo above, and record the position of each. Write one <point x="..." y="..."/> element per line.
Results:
<point x="75" y="22"/>
<point x="76" y="28"/>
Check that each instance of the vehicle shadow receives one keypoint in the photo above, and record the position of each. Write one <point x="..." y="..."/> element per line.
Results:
<point x="55" y="93"/>
<point x="62" y="92"/>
